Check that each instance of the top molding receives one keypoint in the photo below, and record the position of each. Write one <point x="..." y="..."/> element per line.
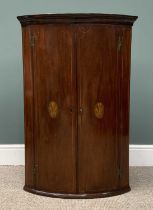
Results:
<point x="77" y="18"/>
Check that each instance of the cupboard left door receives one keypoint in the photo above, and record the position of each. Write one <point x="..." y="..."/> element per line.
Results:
<point x="54" y="122"/>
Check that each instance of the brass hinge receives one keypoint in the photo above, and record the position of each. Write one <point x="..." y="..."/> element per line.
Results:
<point x="32" y="41"/>
<point x="119" y="173"/>
<point x="34" y="170"/>
<point x="120" y="43"/>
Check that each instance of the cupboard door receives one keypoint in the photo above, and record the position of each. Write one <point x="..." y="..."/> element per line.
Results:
<point x="54" y="85"/>
<point x="98" y="108"/>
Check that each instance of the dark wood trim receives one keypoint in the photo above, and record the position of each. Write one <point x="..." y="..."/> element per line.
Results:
<point x="78" y="196"/>
<point x="77" y="18"/>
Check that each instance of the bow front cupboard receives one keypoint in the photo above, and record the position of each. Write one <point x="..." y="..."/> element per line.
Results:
<point x="76" y="104"/>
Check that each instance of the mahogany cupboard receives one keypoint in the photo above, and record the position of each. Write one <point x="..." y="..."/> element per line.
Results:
<point x="76" y="102"/>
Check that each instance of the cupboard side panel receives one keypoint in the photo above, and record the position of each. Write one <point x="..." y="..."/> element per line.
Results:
<point x="28" y="108"/>
<point x="124" y="62"/>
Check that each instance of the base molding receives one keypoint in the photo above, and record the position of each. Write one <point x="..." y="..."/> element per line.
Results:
<point x="13" y="154"/>
<point x="141" y="155"/>
<point x="78" y="196"/>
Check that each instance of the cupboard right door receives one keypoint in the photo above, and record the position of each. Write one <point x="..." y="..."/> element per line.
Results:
<point x="98" y="102"/>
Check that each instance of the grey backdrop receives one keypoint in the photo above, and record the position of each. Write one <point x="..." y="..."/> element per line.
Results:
<point x="11" y="77"/>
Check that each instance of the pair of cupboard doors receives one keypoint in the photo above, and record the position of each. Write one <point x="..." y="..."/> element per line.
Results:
<point x="76" y="85"/>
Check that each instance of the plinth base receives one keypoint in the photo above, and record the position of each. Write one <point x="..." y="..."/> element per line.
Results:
<point x="78" y="196"/>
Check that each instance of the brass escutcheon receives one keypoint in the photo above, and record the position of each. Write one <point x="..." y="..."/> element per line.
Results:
<point x="99" y="110"/>
<point x="53" y="109"/>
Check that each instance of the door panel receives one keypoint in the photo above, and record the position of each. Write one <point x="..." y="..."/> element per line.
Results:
<point x="54" y="84"/>
<point x="97" y="83"/>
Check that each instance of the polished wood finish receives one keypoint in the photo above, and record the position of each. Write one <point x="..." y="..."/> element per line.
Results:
<point x="76" y="102"/>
